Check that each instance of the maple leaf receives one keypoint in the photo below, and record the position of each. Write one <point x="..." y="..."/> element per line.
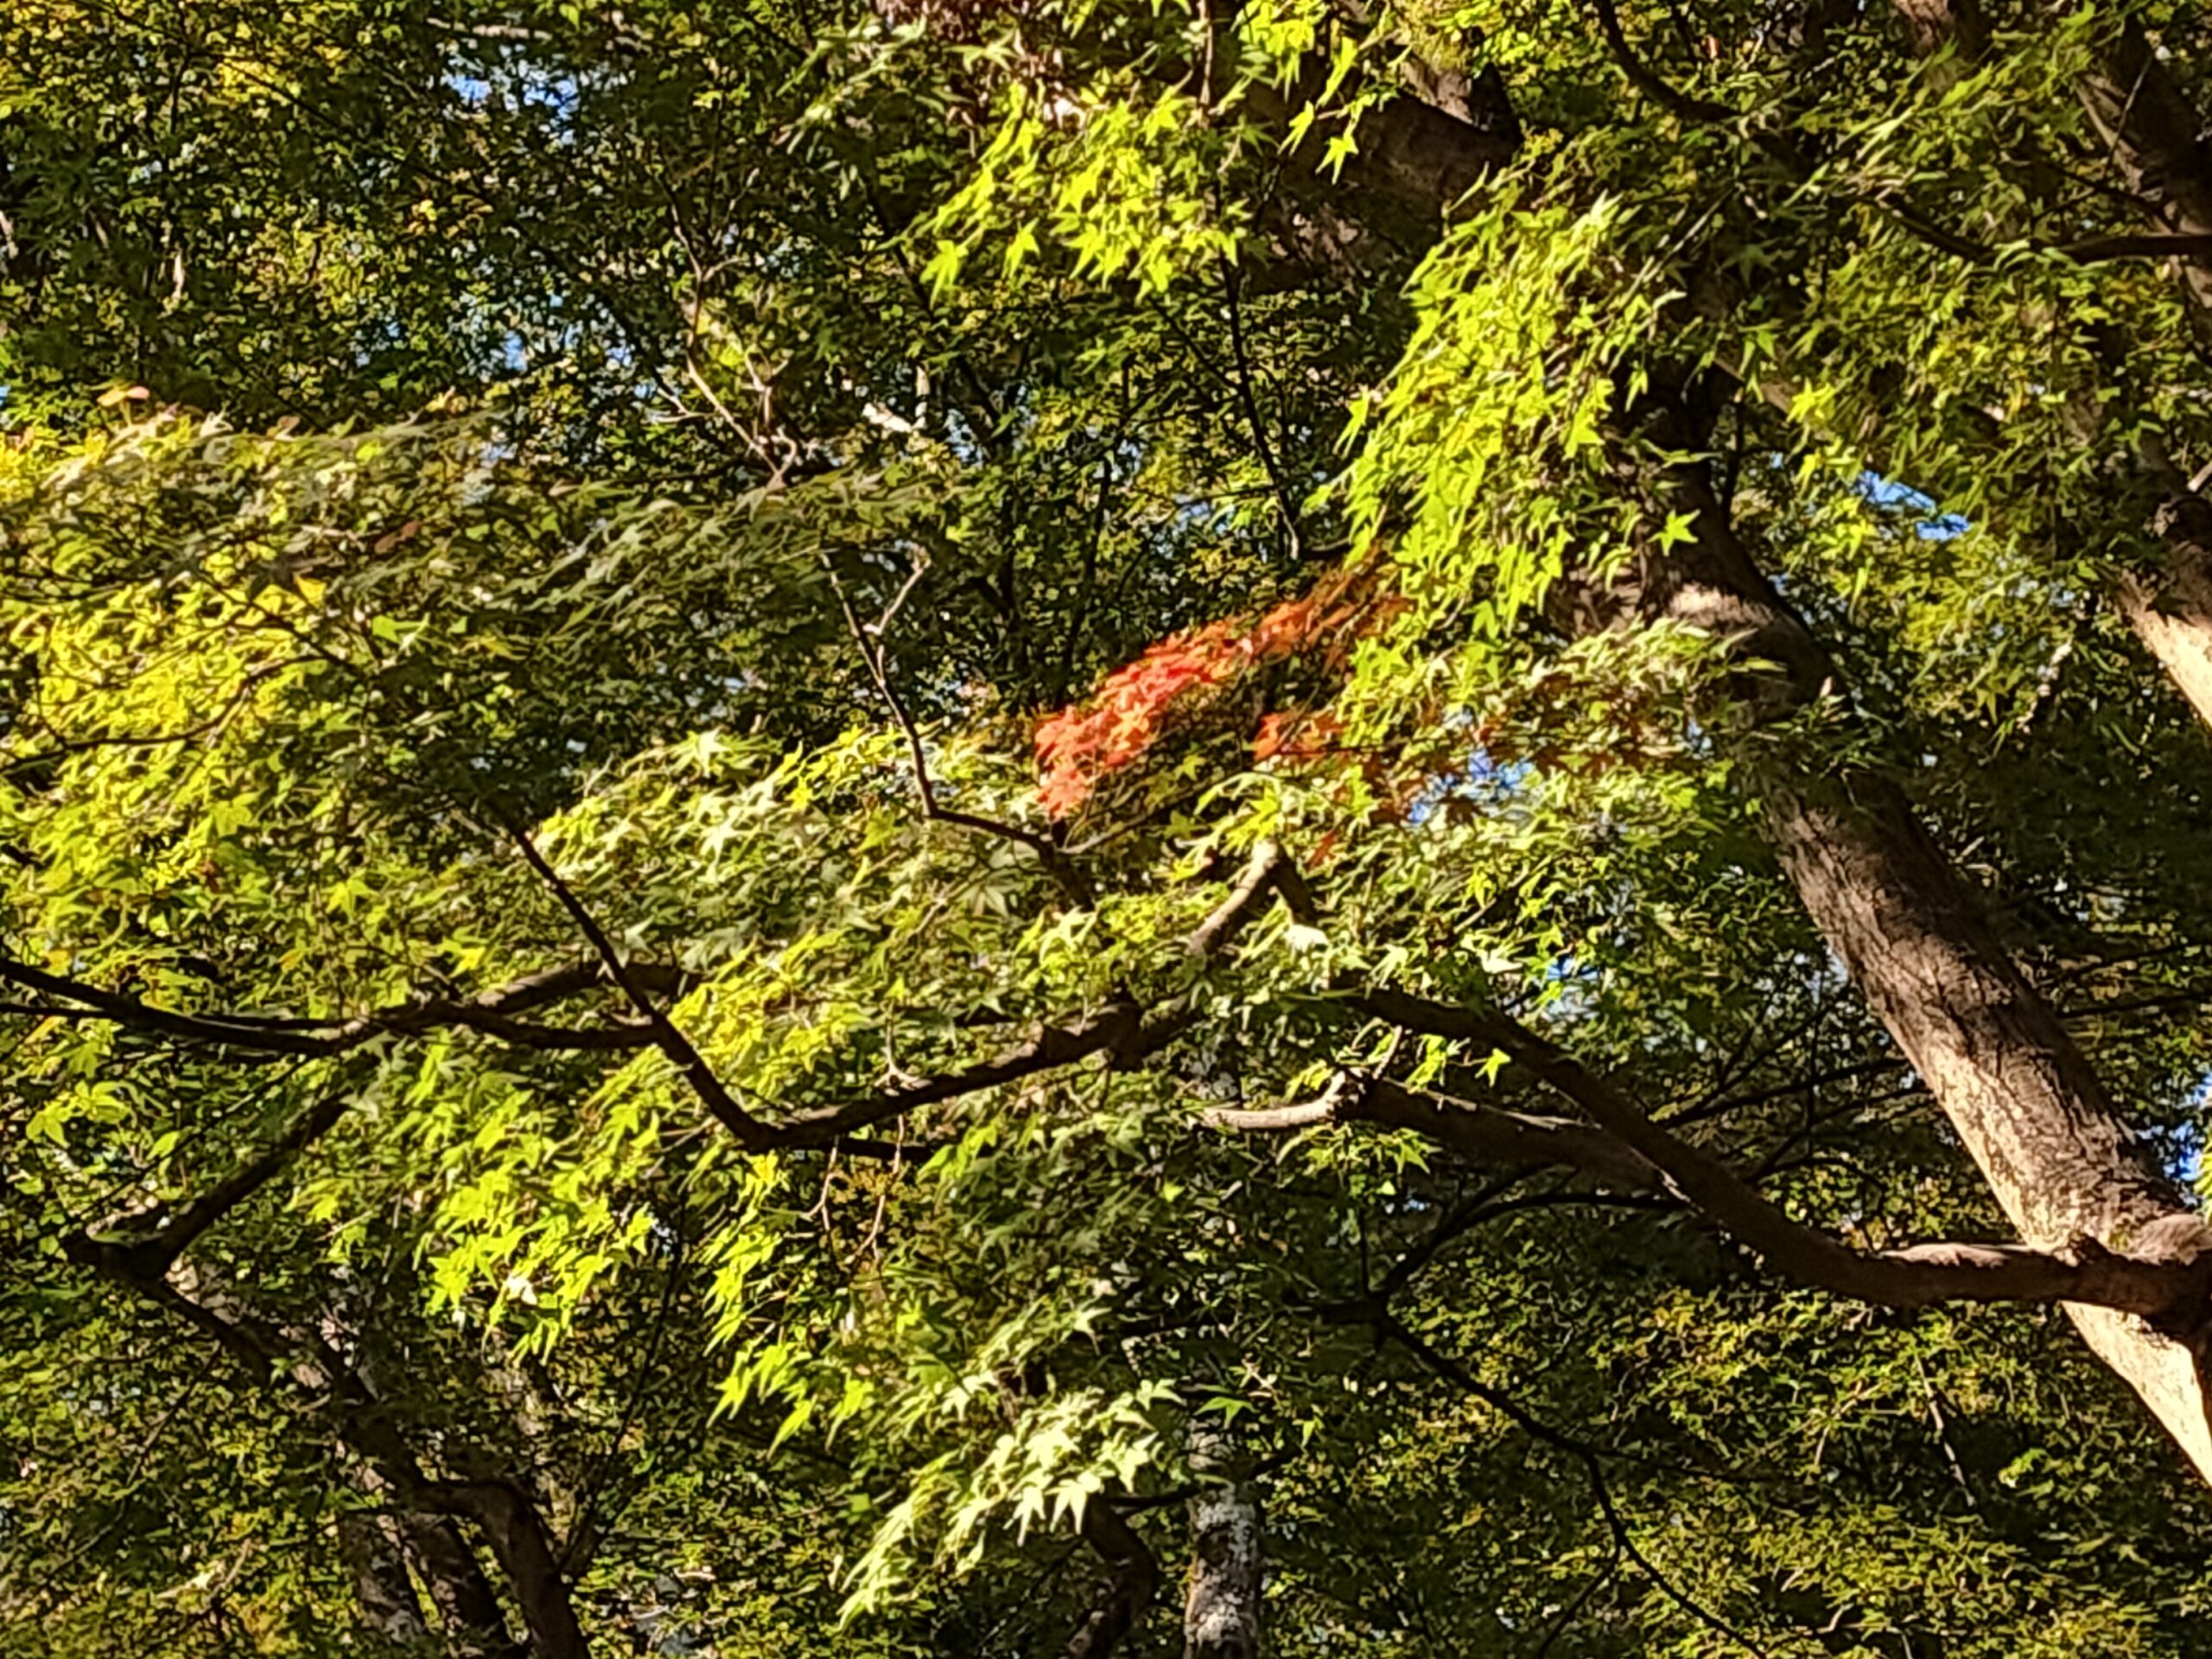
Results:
<point x="1078" y="746"/>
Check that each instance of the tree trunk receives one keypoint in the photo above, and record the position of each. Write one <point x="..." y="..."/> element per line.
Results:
<point x="1221" y="1611"/>
<point x="383" y="1593"/>
<point x="525" y="1555"/>
<point x="2170" y="610"/>
<point x="468" y="1608"/>
<point x="378" y="1548"/>
<point x="2156" y="142"/>
<point x="1931" y="25"/>
<point x="2033" y="1113"/>
<point x="270" y="1351"/>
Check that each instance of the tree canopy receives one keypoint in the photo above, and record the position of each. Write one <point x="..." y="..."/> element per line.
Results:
<point x="1044" y="829"/>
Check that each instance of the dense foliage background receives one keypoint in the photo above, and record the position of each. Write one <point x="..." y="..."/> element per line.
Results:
<point x="820" y="826"/>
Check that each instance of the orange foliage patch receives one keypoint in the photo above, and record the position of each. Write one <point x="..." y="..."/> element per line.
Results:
<point x="1081" y="743"/>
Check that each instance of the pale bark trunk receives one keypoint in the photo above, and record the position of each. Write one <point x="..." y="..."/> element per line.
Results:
<point x="2170" y="610"/>
<point x="1221" y="1607"/>
<point x="2061" y="1162"/>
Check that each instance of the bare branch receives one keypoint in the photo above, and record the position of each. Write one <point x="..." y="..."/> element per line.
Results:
<point x="1484" y="1134"/>
<point x="1056" y="862"/>
<point x="1590" y="1457"/>
<point x="1219" y="930"/>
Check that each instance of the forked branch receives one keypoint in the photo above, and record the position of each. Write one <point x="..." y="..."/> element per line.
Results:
<point x="1624" y="1150"/>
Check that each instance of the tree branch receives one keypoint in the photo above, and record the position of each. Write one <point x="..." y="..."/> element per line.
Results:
<point x="1589" y="1457"/>
<point x="751" y="1133"/>
<point x="146" y="1256"/>
<point x="1698" y="111"/>
<point x="1625" y="1148"/>
<point x="1123" y="1027"/>
<point x="1132" y="1581"/>
<point x="322" y="1382"/>
<point x="1261" y="876"/>
<point x="492" y="1013"/>
<point x="1118" y="1026"/>
<point x="2189" y="243"/>
<point x="1486" y="1135"/>
<point x="1926" y="1274"/>
<point x="1049" y="854"/>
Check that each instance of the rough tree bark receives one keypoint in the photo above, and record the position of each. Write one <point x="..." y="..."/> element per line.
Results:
<point x="1221" y="1603"/>
<point x="2058" y="1156"/>
<point x="2170" y="609"/>
<point x="2060" y="1159"/>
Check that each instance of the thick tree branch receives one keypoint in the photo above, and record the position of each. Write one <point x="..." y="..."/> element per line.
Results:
<point x="1132" y="1582"/>
<point x="1261" y="875"/>
<point x="322" y="1384"/>
<point x="2157" y="141"/>
<point x="1628" y="1151"/>
<point x="519" y="1541"/>
<point x="142" y="1255"/>
<point x="1123" y="1029"/>
<point x="1483" y="1134"/>
<point x="1698" y="111"/>
<point x="1118" y="1026"/>
<point x="2085" y="1272"/>
<point x="493" y="1014"/>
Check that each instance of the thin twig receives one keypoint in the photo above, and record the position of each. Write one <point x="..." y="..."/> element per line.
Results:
<point x="1231" y="287"/>
<point x="1567" y="1614"/>
<point x="1589" y="1457"/>
<point x="1049" y="854"/>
